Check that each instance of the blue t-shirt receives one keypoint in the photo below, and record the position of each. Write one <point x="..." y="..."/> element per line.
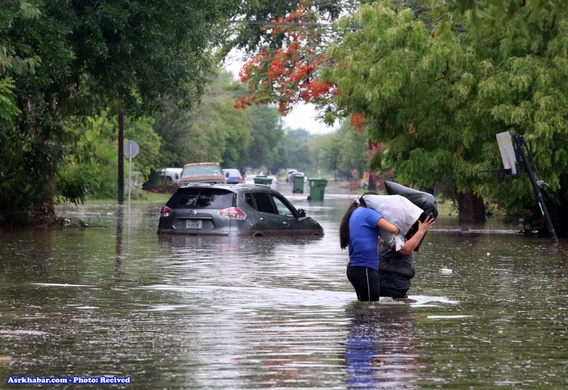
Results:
<point x="364" y="238"/>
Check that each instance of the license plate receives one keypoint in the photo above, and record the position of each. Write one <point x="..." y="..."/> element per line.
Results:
<point x="193" y="224"/>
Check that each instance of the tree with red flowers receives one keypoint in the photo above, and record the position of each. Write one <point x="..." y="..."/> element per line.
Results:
<point x="435" y="85"/>
<point x="289" y="74"/>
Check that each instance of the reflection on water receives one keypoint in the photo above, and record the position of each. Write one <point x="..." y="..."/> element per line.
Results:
<point x="229" y="312"/>
<point x="381" y="350"/>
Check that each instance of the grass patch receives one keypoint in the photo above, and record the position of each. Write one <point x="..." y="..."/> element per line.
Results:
<point x="446" y="208"/>
<point x="149" y="197"/>
<point x="139" y="197"/>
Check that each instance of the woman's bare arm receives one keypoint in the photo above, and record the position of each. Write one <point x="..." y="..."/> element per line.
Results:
<point x="411" y="244"/>
<point x="384" y="224"/>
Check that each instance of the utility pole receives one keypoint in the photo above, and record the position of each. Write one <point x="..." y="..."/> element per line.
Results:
<point x="120" y="157"/>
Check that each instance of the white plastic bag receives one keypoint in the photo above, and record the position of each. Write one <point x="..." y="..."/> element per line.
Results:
<point x="399" y="211"/>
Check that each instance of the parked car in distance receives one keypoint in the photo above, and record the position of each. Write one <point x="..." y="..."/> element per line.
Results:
<point x="233" y="176"/>
<point x="249" y="179"/>
<point x="290" y="175"/>
<point x="240" y="209"/>
<point x="293" y="173"/>
<point x="163" y="180"/>
<point x="207" y="172"/>
<point x="170" y="174"/>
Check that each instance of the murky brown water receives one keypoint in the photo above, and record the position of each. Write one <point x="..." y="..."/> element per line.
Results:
<point x="240" y="313"/>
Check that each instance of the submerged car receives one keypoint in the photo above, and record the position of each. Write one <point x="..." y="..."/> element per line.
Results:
<point x="241" y="209"/>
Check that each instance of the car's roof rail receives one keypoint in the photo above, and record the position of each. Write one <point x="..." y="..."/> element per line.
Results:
<point x="201" y="183"/>
<point x="251" y="185"/>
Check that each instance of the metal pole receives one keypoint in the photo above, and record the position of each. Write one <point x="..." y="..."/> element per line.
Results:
<point x="129" y="174"/>
<point x="120" y="157"/>
<point x="520" y="141"/>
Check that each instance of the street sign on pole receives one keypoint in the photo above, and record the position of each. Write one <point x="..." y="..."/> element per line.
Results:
<point x="131" y="149"/>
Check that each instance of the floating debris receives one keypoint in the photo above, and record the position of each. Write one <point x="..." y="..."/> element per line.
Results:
<point x="5" y="359"/>
<point x="445" y="271"/>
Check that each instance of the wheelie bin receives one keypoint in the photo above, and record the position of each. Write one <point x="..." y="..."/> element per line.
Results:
<point x="298" y="185"/>
<point x="317" y="188"/>
<point x="262" y="180"/>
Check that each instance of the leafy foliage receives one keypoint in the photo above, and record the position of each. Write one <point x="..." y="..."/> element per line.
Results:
<point x="435" y="81"/>
<point x="287" y="75"/>
<point x="212" y="131"/>
<point x="257" y="16"/>
<point x="267" y="148"/>
<point x="345" y="151"/>
<point x="297" y="142"/>
<point x="69" y="59"/>
<point x="89" y="169"/>
<point x="439" y="98"/>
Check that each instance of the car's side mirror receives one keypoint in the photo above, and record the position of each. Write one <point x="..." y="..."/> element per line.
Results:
<point x="301" y="213"/>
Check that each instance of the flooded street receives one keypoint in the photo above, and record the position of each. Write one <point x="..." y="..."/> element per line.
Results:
<point x="115" y="299"/>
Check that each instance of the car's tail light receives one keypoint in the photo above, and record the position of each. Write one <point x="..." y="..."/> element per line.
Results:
<point x="165" y="211"/>
<point x="232" y="212"/>
<point x="240" y="179"/>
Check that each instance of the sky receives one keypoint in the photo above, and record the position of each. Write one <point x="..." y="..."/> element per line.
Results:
<point x="303" y="116"/>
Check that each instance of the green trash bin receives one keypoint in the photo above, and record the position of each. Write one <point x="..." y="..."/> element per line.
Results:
<point x="298" y="186"/>
<point x="262" y="180"/>
<point x="317" y="188"/>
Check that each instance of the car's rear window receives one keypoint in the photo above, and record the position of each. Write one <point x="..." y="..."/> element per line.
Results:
<point x="202" y="170"/>
<point x="202" y="198"/>
<point x="232" y="172"/>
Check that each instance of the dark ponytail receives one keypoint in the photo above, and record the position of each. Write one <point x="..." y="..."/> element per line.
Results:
<point x="344" y="226"/>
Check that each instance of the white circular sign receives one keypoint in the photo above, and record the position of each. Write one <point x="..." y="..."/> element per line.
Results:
<point x="131" y="149"/>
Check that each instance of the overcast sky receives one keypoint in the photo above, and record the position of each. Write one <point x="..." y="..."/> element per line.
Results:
<point x="304" y="116"/>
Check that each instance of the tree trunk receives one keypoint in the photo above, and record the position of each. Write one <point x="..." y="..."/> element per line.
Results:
<point x="372" y="186"/>
<point x="44" y="213"/>
<point x="562" y="216"/>
<point x="471" y="208"/>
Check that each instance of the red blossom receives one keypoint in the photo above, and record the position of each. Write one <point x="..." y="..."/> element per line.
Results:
<point x="357" y="121"/>
<point x="292" y="71"/>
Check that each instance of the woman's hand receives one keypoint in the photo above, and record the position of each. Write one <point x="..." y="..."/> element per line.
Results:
<point x="411" y="244"/>
<point x="426" y="225"/>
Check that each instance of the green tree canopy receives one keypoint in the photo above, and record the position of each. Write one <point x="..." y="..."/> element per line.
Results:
<point x="344" y="152"/>
<point x="124" y="54"/>
<point x="260" y="16"/>
<point x="438" y="97"/>
<point x="267" y="147"/>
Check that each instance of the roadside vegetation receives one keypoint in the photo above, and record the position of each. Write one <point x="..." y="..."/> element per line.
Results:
<point x="420" y="89"/>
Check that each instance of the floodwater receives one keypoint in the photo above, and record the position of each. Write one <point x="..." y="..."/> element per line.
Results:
<point x="116" y="300"/>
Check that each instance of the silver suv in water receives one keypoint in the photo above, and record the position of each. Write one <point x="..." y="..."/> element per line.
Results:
<point x="241" y="209"/>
